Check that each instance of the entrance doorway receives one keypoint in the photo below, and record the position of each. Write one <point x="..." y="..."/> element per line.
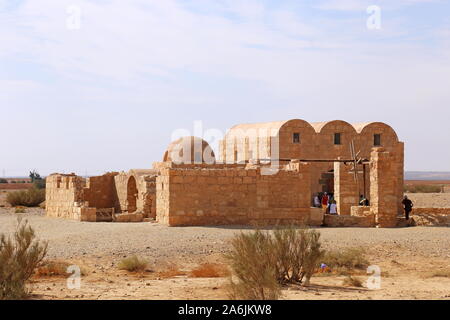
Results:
<point x="327" y="182"/>
<point x="132" y="193"/>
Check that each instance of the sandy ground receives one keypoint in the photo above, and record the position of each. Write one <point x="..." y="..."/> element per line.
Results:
<point x="430" y="200"/>
<point x="408" y="257"/>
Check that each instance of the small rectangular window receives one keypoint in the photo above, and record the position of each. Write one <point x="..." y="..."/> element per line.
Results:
<point x="337" y="138"/>
<point x="296" y="137"/>
<point x="377" y="139"/>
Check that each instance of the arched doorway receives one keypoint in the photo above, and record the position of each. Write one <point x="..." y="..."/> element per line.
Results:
<point x="132" y="193"/>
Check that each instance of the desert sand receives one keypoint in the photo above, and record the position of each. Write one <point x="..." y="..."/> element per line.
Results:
<point x="408" y="257"/>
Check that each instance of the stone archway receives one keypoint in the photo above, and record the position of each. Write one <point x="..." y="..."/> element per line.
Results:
<point x="132" y="193"/>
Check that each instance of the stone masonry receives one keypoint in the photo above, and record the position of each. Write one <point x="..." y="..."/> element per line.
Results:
<point x="264" y="174"/>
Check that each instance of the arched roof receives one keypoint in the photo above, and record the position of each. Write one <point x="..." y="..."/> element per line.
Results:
<point x="275" y="126"/>
<point x="363" y="126"/>
<point x="319" y="126"/>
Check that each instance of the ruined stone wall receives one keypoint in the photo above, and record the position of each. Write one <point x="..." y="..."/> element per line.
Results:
<point x="384" y="187"/>
<point x="100" y="192"/>
<point x="221" y="194"/>
<point x="120" y="182"/>
<point x="64" y="196"/>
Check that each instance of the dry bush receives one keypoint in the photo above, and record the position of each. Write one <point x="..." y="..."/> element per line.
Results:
<point x="210" y="270"/>
<point x="52" y="269"/>
<point x="441" y="274"/>
<point x="133" y="264"/>
<point x="26" y="198"/>
<point x="171" y="271"/>
<point x="352" y="282"/>
<point x="347" y="259"/>
<point x="253" y="264"/>
<point x="423" y="188"/>
<point x="20" y="255"/>
<point x="19" y="210"/>
<point x="297" y="253"/>
<point x="263" y="262"/>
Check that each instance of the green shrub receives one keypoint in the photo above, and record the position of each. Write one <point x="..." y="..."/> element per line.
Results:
<point x="297" y="253"/>
<point x="423" y="188"/>
<point x="39" y="184"/>
<point x="349" y="258"/>
<point x="26" y="198"/>
<point x="253" y="264"/>
<point x="262" y="261"/>
<point x="133" y="264"/>
<point x="19" y="210"/>
<point x="20" y="255"/>
<point x="3" y="180"/>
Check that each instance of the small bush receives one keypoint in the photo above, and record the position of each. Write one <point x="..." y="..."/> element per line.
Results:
<point x="52" y="268"/>
<point x="441" y="274"/>
<point x="349" y="258"/>
<point x="172" y="271"/>
<point x="20" y="255"/>
<point x="253" y="264"/>
<point x="262" y="262"/>
<point x="209" y="270"/>
<point x="133" y="264"/>
<point x="3" y="180"/>
<point x="19" y="210"/>
<point x="297" y="253"/>
<point x="26" y="198"/>
<point x="39" y="184"/>
<point x="352" y="282"/>
<point x="423" y="188"/>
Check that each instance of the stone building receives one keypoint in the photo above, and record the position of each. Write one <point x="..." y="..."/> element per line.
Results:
<point x="264" y="173"/>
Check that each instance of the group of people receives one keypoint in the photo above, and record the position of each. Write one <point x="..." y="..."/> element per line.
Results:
<point x="326" y="202"/>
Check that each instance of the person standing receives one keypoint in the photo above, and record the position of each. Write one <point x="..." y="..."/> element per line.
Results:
<point x="408" y="205"/>
<point x="325" y="202"/>
<point x="333" y="208"/>
<point x="316" y="201"/>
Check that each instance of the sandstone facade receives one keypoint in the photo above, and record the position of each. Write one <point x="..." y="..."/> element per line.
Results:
<point x="264" y="174"/>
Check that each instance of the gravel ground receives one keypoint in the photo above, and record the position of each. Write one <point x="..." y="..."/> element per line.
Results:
<point x="73" y="239"/>
<point x="430" y="200"/>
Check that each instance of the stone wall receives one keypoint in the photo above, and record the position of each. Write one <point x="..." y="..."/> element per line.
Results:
<point x="100" y="198"/>
<point x="316" y="141"/>
<point x="64" y="196"/>
<point x="384" y="195"/>
<point x="349" y="221"/>
<point x="232" y="194"/>
<point x="345" y="188"/>
<point x="100" y="192"/>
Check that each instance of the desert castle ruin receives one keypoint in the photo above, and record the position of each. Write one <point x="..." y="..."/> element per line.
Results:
<point x="264" y="173"/>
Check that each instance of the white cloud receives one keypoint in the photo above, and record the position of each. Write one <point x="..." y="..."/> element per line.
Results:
<point x="268" y="64"/>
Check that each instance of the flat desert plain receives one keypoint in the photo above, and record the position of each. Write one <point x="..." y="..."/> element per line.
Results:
<point x="414" y="261"/>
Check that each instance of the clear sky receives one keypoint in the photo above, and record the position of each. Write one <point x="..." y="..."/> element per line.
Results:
<point x="102" y="85"/>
